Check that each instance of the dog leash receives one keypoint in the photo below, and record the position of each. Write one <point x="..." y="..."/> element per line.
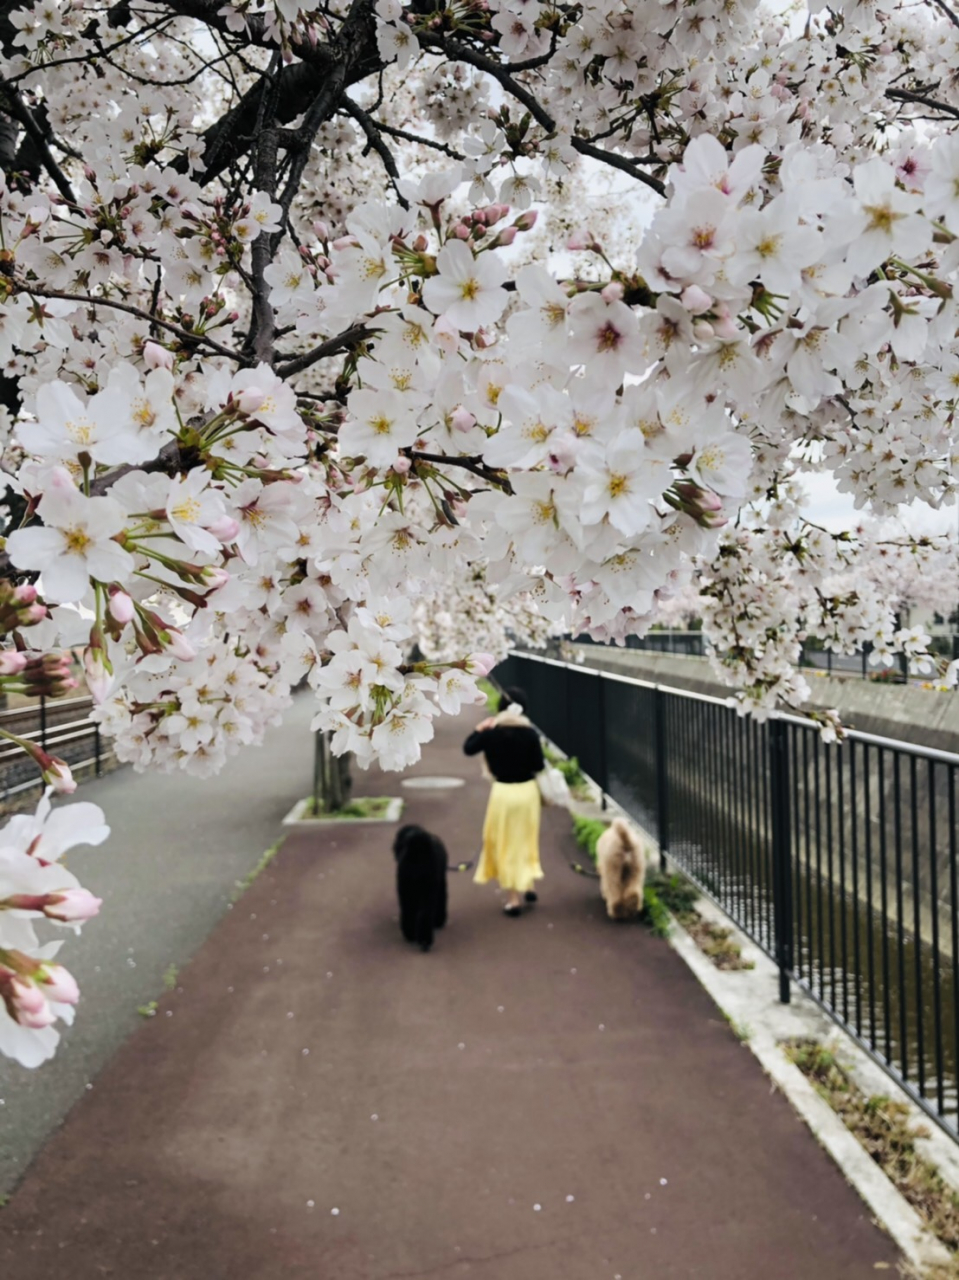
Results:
<point x="581" y="870"/>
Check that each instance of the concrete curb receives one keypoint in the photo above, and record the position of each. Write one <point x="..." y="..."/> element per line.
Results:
<point x="296" y="819"/>
<point x="890" y="1208"/>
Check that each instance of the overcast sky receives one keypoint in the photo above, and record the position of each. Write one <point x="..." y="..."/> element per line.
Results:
<point x="827" y="506"/>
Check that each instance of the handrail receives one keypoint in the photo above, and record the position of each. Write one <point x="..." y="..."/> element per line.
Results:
<point x="57" y="704"/>
<point x="787" y="717"/>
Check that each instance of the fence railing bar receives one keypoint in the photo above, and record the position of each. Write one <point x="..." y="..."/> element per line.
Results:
<point x="917" y="926"/>
<point x="877" y="740"/>
<point x="779" y="829"/>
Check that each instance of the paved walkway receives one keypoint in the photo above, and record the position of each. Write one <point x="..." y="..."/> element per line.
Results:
<point x="551" y="1098"/>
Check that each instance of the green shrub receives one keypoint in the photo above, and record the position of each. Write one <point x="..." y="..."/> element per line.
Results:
<point x="674" y="891"/>
<point x="657" y="916"/>
<point x="587" y="831"/>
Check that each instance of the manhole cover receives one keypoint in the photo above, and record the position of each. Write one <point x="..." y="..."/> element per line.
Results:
<point x="424" y="783"/>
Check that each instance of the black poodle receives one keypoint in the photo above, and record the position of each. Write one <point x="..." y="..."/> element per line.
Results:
<point x="420" y="883"/>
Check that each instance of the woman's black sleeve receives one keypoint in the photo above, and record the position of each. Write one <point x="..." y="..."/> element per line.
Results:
<point x="476" y="742"/>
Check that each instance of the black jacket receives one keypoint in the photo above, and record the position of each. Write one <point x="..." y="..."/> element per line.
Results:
<point x="513" y="752"/>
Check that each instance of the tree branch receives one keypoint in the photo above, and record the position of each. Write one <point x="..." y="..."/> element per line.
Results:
<point x="906" y="95"/>
<point x="24" y="116"/>
<point x="169" y="461"/>
<point x="183" y="334"/>
<point x="413" y="137"/>
<point x="462" y="53"/>
<point x="475" y="465"/>
<point x="950" y="13"/>
<point x="263" y="325"/>
<point x="375" y="140"/>
<point x="331" y="347"/>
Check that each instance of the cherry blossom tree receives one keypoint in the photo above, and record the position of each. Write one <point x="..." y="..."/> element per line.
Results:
<point x="308" y="316"/>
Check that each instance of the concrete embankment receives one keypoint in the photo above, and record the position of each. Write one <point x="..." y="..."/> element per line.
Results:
<point x="906" y="712"/>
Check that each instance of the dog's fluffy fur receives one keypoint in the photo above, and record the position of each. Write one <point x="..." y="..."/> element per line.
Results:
<point x="421" y="863"/>
<point x="621" y="860"/>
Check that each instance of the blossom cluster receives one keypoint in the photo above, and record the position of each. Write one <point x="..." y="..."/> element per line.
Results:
<point x="299" y="393"/>
<point x="36" y="992"/>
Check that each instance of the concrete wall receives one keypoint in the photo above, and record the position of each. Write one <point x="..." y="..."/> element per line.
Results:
<point x="903" y="711"/>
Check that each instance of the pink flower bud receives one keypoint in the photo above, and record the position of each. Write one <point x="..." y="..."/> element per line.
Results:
<point x="613" y="292"/>
<point x="526" y="221"/>
<point x="25" y="594"/>
<point x="157" y="357"/>
<point x="725" y="326"/>
<point x="505" y="237"/>
<point x="214" y="577"/>
<point x="27" y="1005"/>
<point x="71" y="906"/>
<point x="224" y="529"/>
<point x="322" y="231"/>
<point x="695" y="299"/>
<point x="581" y="239"/>
<point x="57" y="775"/>
<point x="121" y="607"/>
<point x="178" y="644"/>
<point x="703" y="331"/>
<point x="696" y="499"/>
<point x="462" y="420"/>
<point x="250" y="399"/>
<point x="12" y="662"/>
<point x="480" y="664"/>
<point x="59" y="984"/>
<point x="461" y="232"/>
<point x="401" y="466"/>
<point x="99" y="678"/>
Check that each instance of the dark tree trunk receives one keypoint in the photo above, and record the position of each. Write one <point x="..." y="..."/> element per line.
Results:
<point x="332" y="782"/>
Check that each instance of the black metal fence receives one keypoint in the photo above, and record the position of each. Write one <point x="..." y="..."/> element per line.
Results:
<point x="62" y="727"/>
<point x="692" y="644"/>
<point x="840" y="862"/>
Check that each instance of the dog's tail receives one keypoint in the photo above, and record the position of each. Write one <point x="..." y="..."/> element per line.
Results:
<point x="627" y="859"/>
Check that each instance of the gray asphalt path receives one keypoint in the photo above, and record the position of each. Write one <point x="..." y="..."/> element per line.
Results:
<point x="177" y="848"/>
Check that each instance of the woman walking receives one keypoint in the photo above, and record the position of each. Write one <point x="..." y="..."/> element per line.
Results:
<point x="514" y="757"/>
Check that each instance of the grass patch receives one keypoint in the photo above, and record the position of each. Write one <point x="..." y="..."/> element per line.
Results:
<point x="587" y="831"/>
<point x="170" y="977"/>
<point x="147" y="1010"/>
<point x="882" y="1126"/>
<point x="492" y="694"/>
<point x="716" y="942"/>
<point x="362" y="807"/>
<point x="261" y="866"/>
<point x="672" y="894"/>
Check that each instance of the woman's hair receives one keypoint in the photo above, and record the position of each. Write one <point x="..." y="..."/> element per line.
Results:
<point x="510" y="696"/>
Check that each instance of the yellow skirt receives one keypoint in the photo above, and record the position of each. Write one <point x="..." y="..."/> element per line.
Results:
<point x="511" y="837"/>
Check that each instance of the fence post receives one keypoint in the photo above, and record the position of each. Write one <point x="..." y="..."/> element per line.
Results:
<point x="603" y="753"/>
<point x="662" y="775"/>
<point x="43" y="722"/>
<point x="782" y="857"/>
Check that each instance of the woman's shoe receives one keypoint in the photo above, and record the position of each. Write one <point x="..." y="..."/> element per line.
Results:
<point x="513" y="912"/>
<point x="530" y="897"/>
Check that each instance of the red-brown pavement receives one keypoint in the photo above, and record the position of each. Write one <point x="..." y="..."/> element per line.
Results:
<point x="550" y="1098"/>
